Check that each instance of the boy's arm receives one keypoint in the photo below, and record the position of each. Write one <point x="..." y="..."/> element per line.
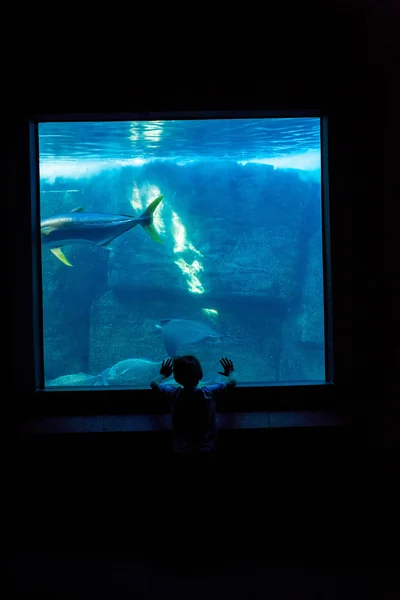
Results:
<point x="231" y="379"/>
<point x="156" y="381"/>
<point x="229" y="372"/>
<point x="165" y="371"/>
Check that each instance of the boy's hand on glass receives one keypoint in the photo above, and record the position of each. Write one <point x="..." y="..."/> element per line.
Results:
<point x="227" y="365"/>
<point x="166" y="367"/>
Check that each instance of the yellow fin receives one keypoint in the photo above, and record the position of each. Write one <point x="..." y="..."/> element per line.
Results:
<point x="77" y="209"/>
<point x="107" y="245"/>
<point x="153" y="233"/>
<point x="47" y="230"/>
<point x="152" y="207"/>
<point x="59" y="254"/>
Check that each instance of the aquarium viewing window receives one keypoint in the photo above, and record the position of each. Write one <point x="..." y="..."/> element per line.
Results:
<point x="201" y="234"/>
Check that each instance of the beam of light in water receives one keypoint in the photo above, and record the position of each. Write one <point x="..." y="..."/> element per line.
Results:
<point x="136" y="201"/>
<point x="181" y="245"/>
<point x="151" y="192"/>
<point x="193" y="249"/>
<point x="179" y="233"/>
<point x="194" y="283"/>
<point x="211" y="313"/>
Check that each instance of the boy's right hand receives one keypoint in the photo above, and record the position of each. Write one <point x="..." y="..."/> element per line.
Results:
<point x="227" y="365"/>
<point x="166" y="367"/>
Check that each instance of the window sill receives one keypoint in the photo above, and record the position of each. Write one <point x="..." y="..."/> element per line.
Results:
<point x="225" y="421"/>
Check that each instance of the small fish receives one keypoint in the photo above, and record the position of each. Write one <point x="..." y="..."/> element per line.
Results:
<point x="79" y="227"/>
<point x="178" y="333"/>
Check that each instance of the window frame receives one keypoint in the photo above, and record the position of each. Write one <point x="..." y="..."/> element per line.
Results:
<point x="249" y="398"/>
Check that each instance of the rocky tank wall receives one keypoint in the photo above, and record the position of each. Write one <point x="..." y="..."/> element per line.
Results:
<point x="243" y="240"/>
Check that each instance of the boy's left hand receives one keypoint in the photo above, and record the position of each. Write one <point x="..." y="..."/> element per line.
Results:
<point x="166" y="367"/>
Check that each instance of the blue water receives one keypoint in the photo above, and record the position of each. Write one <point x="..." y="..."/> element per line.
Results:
<point x="240" y="139"/>
<point x="242" y="252"/>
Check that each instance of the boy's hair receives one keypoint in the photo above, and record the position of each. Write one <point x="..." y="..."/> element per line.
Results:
<point x="187" y="370"/>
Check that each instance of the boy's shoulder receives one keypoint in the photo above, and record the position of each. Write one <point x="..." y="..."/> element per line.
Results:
<point x="167" y="388"/>
<point x="208" y="391"/>
<point x="214" y="388"/>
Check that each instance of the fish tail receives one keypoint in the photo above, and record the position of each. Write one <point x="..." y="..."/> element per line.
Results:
<point x="146" y="219"/>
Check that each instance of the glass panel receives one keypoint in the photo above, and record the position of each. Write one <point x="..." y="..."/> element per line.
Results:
<point x="167" y="237"/>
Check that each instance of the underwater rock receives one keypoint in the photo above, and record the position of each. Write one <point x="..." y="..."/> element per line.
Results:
<point x="236" y="237"/>
<point x="312" y="295"/>
<point x="302" y="354"/>
<point x="299" y="361"/>
<point x="68" y="293"/>
<point x="140" y="265"/>
<point x="206" y="247"/>
<point x="94" y="191"/>
<point x="122" y="327"/>
<point x="63" y="350"/>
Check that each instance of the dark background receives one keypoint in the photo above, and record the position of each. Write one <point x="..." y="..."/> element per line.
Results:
<point x="319" y="500"/>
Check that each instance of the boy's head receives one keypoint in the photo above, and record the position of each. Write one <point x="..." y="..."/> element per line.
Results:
<point x="187" y="370"/>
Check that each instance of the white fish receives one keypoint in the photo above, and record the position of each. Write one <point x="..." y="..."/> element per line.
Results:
<point x="178" y="333"/>
<point x="132" y="371"/>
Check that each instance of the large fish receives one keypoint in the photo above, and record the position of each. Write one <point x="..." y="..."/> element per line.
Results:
<point x="79" y="227"/>
<point x="178" y="333"/>
<point x="132" y="371"/>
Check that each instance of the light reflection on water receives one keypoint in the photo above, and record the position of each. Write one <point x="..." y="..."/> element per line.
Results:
<point x="241" y="139"/>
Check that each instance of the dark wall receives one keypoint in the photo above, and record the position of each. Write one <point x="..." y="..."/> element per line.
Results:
<point x="354" y="88"/>
<point x="354" y="83"/>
